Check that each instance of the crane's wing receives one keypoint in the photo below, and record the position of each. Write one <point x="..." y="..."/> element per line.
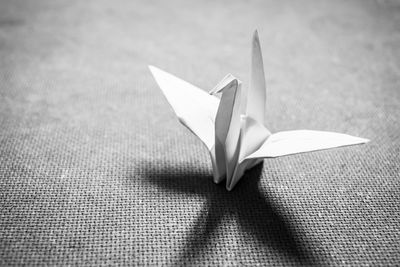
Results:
<point x="292" y="142"/>
<point x="195" y="108"/>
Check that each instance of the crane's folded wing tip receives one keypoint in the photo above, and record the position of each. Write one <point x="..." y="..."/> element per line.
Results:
<point x="153" y="69"/>
<point x="358" y="140"/>
<point x="255" y="33"/>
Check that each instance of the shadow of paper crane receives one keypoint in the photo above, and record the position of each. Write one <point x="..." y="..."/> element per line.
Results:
<point x="255" y="213"/>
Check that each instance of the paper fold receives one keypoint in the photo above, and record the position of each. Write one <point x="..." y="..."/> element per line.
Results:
<point x="233" y="127"/>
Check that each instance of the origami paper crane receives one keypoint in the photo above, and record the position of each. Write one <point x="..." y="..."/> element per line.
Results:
<point x="232" y="126"/>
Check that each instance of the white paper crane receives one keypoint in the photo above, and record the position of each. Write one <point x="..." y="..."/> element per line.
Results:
<point x="232" y="127"/>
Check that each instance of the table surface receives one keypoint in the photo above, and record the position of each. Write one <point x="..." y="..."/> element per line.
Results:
<point x="96" y="170"/>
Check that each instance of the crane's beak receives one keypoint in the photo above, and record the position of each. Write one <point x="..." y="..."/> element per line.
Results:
<point x="226" y="82"/>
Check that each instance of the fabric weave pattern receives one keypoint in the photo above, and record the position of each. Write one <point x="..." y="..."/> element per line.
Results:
<point x="95" y="169"/>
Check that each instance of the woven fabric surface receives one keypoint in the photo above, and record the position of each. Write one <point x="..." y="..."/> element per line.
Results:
<point x="96" y="170"/>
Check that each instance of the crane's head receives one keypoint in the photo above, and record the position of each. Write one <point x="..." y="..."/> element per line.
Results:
<point x="226" y="83"/>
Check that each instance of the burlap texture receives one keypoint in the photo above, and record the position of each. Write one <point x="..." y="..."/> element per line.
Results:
<point x="96" y="170"/>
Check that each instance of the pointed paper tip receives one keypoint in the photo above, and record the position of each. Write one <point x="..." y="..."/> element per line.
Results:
<point x="256" y="41"/>
<point x="156" y="71"/>
<point x="255" y="33"/>
<point x="360" y="140"/>
<point x="152" y="68"/>
<point x="227" y="81"/>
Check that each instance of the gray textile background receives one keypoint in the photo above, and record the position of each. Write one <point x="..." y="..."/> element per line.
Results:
<point x="95" y="169"/>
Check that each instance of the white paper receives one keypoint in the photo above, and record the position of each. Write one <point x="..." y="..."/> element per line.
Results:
<point x="232" y="127"/>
